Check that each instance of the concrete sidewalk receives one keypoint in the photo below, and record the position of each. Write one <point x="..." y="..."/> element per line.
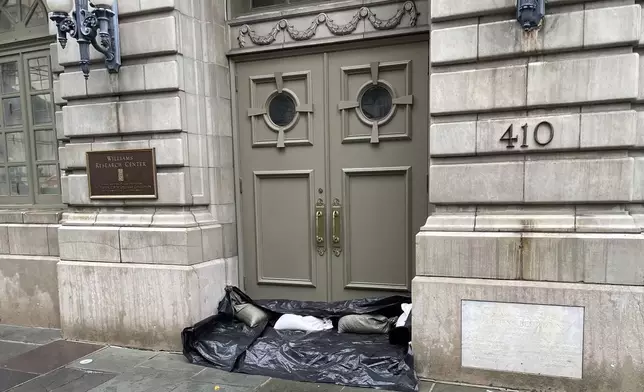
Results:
<point x="38" y="360"/>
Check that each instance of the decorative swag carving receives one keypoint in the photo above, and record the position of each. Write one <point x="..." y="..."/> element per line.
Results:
<point x="302" y="35"/>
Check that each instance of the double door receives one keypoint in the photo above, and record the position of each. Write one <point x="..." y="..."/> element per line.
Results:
<point x="333" y="151"/>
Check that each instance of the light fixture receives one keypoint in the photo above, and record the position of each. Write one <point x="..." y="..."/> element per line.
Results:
<point x="530" y="13"/>
<point x="98" y="27"/>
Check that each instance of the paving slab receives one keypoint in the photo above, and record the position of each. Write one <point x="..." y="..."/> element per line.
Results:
<point x="10" y="349"/>
<point x="460" y="388"/>
<point x="144" y="380"/>
<point x="49" y="357"/>
<point x="168" y="361"/>
<point x="65" y="380"/>
<point x="113" y="360"/>
<point x="276" y="385"/>
<point x="196" y="386"/>
<point x="13" y="333"/>
<point x="231" y="379"/>
<point x="11" y="378"/>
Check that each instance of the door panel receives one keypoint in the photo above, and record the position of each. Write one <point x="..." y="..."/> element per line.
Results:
<point x="378" y="171"/>
<point x="282" y="171"/>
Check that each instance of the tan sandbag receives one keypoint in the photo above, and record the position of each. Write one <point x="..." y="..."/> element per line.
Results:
<point x="365" y="324"/>
<point x="250" y="314"/>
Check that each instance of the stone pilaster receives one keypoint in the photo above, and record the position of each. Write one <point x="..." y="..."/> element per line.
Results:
<point x="534" y="172"/>
<point x="136" y="272"/>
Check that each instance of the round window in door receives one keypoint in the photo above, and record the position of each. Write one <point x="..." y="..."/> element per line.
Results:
<point x="376" y="103"/>
<point x="282" y="110"/>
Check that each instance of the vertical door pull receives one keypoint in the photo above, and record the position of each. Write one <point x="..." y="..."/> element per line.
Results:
<point x="337" y="227"/>
<point x="320" y="227"/>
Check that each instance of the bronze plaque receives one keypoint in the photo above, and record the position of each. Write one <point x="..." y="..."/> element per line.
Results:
<point x="122" y="174"/>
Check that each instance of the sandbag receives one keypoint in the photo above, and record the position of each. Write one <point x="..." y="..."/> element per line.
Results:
<point x="365" y="323"/>
<point x="250" y="314"/>
<point x="293" y="322"/>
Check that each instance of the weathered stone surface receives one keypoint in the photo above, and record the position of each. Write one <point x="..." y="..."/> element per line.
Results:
<point x="442" y="9"/>
<point x="137" y="305"/>
<point x="478" y="90"/>
<point x="90" y="120"/>
<point x="509" y="338"/>
<point x="154" y="115"/>
<point x="28" y="240"/>
<point x="560" y="31"/>
<point x="452" y="139"/>
<point x="29" y="291"/>
<point x="617" y="366"/>
<point x="476" y="255"/>
<point x="525" y="219"/>
<point x="612" y="26"/>
<point x="174" y="246"/>
<point x="454" y="44"/>
<point x="164" y="31"/>
<point x="89" y="243"/>
<point x="476" y="183"/>
<point x="446" y="218"/>
<point x="579" y="180"/>
<point x="593" y="79"/>
<point x="608" y="129"/>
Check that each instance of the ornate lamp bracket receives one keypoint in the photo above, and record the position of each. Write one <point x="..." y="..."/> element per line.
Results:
<point x="97" y="27"/>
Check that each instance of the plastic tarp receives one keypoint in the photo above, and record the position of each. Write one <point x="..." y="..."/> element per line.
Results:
<point x="356" y="360"/>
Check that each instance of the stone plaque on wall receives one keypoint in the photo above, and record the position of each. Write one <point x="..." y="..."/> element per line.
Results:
<point x="122" y="174"/>
<point x="534" y="339"/>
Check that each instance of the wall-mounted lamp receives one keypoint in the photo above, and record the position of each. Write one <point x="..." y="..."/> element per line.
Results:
<point x="98" y="27"/>
<point x="530" y="13"/>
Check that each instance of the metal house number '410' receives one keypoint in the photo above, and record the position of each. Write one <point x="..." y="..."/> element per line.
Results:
<point x="542" y="134"/>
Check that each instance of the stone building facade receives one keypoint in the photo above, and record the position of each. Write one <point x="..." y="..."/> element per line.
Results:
<point x="333" y="149"/>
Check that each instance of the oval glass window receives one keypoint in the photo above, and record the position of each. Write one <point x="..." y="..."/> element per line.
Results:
<point x="281" y="109"/>
<point x="376" y="102"/>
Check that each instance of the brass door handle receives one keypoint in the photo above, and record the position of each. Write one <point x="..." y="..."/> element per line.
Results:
<point x="336" y="235"/>
<point x="320" y="227"/>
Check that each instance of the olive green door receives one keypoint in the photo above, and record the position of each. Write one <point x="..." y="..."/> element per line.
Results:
<point x="333" y="151"/>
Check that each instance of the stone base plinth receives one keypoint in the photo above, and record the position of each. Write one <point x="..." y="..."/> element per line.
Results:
<point x="137" y="305"/>
<point x="538" y="336"/>
<point x="29" y="291"/>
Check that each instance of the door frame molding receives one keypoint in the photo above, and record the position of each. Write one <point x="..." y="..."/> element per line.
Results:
<point x="422" y="36"/>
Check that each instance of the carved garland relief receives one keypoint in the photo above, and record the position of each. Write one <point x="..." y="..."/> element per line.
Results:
<point x="302" y="35"/>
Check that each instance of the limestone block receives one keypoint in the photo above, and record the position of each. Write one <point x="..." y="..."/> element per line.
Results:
<point x="477" y="255"/>
<point x="135" y="37"/>
<point x="449" y="218"/>
<point x="199" y="185"/>
<point x="154" y="5"/>
<point x="97" y="119"/>
<point x="29" y="291"/>
<point x="529" y="131"/>
<point x="73" y="85"/>
<point x="4" y="240"/>
<point x="611" y="343"/>
<point x="212" y="240"/>
<point x="162" y="76"/>
<point x="42" y="216"/>
<point x="11" y="216"/>
<point x="89" y="243"/>
<point x="483" y="183"/>
<point x="608" y="129"/>
<point x="173" y="189"/>
<point x="230" y="239"/>
<point x="560" y="31"/>
<point x="579" y="180"/>
<point x="153" y="115"/>
<point x="171" y="151"/>
<point x="639" y="138"/>
<point x="58" y="99"/>
<point x="478" y="90"/>
<point x="135" y="305"/>
<point x="525" y="219"/>
<point x="223" y="187"/>
<point x="594" y="79"/>
<point x="612" y="26"/>
<point x="638" y="179"/>
<point x="232" y="271"/>
<point x="70" y="55"/>
<point x="55" y="63"/>
<point x="52" y="240"/>
<point x="60" y="127"/>
<point x="28" y="239"/>
<point x="449" y="9"/>
<point x="174" y="246"/>
<point x="122" y="217"/>
<point x="454" y="44"/>
<point x="640" y="96"/>
<point x="448" y="139"/>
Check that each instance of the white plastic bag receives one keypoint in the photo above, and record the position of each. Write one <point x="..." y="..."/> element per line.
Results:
<point x="302" y="323"/>
<point x="406" y="308"/>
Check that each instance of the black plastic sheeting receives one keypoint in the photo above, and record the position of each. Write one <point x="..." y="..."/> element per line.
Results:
<point x="355" y="360"/>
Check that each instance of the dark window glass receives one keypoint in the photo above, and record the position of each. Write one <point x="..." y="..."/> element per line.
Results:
<point x="376" y="103"/>
<point x="281" y="109"/>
